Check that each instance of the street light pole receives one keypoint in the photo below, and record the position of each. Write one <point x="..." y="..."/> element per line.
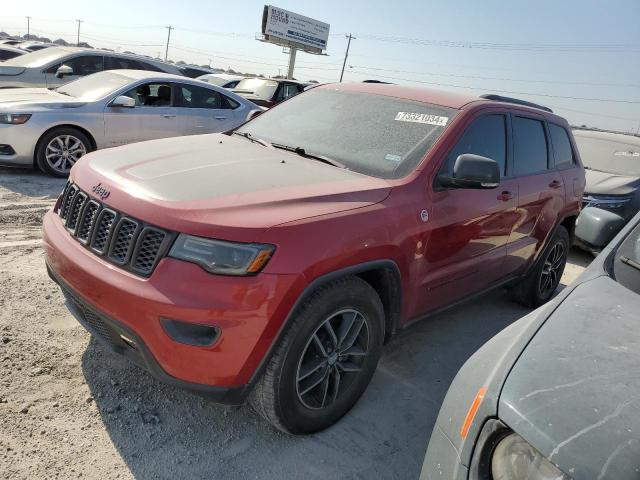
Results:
<point x="346" y="54"/>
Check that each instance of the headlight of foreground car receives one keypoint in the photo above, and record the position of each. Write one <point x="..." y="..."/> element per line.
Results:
<point x="224" y="258"/>
<point x="14" y="118"/>
<point x="606" y="202"/>
<point x="514" y="458"/>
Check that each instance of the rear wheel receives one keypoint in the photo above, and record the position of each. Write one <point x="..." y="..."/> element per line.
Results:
<point x="542" y="281"/>
<point x="59" y="149"/>
<point x="326" y="359"/>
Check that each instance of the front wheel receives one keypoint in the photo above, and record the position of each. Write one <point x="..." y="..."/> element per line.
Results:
<point x="59" y="149"/>
<point x="326" y="359"/>
<point x="542" y="281"/>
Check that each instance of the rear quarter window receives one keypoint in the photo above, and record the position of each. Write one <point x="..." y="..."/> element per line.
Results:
<point x="562" y="151"/>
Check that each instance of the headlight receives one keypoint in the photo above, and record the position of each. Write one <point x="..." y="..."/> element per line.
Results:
<point x="514" y="458"/>
<point x="605" y="201"/>
<point x="14" y="118"/>
<point x="225" y="258"/>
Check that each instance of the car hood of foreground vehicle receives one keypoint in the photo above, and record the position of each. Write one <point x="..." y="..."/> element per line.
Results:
<point x="604" y="183"/>
<point x="28" y="99"/>
<point x="194" y="183"/>
<point x="574" y="394"/>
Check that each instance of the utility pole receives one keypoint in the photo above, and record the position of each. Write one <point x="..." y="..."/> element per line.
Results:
<point x="166" y="51"/>
<point x="346" y="54"/>
<point x="28" y="27"/>
<point x="78" y="40"/>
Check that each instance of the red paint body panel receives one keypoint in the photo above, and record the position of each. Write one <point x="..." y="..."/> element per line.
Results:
<point x="472" y="240"/>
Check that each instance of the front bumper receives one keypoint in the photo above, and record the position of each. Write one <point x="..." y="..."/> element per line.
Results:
<point x="22" y="139"/>
<point x="248" y="311"/>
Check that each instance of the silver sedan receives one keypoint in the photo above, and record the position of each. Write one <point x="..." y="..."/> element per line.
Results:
<point x="52" y="129"/>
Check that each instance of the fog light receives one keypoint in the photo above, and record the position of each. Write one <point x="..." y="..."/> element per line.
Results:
<point x="190" y="333"/>
<point x="6" y="150"/>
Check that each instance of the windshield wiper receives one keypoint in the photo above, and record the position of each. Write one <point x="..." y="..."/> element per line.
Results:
<point x="303" y="153"/>
<point x="250" y="137"/>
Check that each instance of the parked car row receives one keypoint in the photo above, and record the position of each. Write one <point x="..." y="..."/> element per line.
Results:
<point x="52" y="129"/>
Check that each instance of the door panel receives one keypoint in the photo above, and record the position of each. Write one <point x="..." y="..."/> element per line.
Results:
<point x="468" y="229"/>
<point x="466" y="250"/>
<point x="205" y="110"/>
<point x="154" y="116"/>
<point x="541" y="192"/>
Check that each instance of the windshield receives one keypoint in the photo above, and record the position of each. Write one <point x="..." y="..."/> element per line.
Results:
<point x="94" y="87"/>
<point x="257" y="86"/>
<point x="37" y="59"/>
<point x="611" y="154"/>
<point x="385" y="137"/>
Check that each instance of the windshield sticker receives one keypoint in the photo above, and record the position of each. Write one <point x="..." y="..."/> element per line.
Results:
<point x="271" y="84"/>
<point x="422" y="118"/>
<point x="630" y="153"/>
<point x="393" y="158"/>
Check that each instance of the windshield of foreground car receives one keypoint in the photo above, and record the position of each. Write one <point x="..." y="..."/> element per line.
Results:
<point x="37" y="59"/>
<point x="610" y="155"/>
<point x="94" y="87"/>
<point x="380" y="136"/>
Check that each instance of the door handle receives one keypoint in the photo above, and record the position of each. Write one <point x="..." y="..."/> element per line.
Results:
<point x="505" y="196"/>
<point x="555" y="184"/>
<point x="168" y="115"/>
<point x="221" y="118"/>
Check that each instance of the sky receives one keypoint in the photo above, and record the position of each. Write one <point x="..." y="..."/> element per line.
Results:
<point x="579" y="57"/>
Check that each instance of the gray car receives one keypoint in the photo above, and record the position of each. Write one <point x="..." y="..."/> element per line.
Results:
<point x="52" y="129"/>
<point x="55" y="66"/>
<point x="556" y="394"/>
<point x="612" y="192"/>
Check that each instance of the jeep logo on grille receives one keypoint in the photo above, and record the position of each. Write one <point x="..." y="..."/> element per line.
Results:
<point x="100" y="191"/>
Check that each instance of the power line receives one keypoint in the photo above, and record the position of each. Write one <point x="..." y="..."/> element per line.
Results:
<point x="503" y="46"/>
<point x="511" y="92"/>
<point x="478" y="77"/>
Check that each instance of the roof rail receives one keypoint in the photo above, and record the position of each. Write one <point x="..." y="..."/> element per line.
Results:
<point x="500" y="98"/>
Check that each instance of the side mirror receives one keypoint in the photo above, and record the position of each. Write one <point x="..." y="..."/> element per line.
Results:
<point x="123" y="101"/>
<point x="472" y="171"/>
<point x="64" y="70"/>
<point x="254" y="114"/>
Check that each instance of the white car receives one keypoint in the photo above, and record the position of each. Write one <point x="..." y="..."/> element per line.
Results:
<point x="223" y="80"/>
<point x="52" y="129"/>
<point x="55" y="66"/>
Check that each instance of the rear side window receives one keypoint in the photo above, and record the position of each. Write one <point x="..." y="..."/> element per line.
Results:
<point x="562" y="152"/>
<point x="530" y="145"/>
<point x="117" y="63"/>
<point x="486" y="136"/>
<point x="190" y="96"/>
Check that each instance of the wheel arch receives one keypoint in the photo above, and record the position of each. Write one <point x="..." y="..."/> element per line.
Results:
<point x="83" y="130"/>
<point x="382" y="275"/>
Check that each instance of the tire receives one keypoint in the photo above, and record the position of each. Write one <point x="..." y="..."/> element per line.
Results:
<point x="539" y="285"/>
<point x="70" y="142"/>
<point x="279" y="396"/>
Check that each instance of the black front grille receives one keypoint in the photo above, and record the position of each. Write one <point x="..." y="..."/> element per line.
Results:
<point x="118" y="238"/>
<point x="89" y="316"/>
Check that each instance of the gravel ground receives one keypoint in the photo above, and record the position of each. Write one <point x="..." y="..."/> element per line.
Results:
<point x="71" y="409"/>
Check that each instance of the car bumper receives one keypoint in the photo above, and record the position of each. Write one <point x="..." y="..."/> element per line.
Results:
<point x="22" y="142"/>
<point x="442" y="460"/>
<point x="248" y="311"/>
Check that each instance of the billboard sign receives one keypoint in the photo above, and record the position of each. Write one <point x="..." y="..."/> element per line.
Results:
<point x="287" y="28"/>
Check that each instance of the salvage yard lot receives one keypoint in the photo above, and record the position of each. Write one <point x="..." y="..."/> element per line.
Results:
<point x="71" y="409"/>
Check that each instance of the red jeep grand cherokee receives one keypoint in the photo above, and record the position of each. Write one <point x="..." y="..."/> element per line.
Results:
<point x="271" y="263"/>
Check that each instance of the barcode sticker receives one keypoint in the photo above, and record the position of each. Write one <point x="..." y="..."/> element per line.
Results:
<point x="422" y="118"/>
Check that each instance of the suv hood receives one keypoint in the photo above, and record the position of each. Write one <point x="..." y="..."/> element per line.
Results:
<point x="196" y="183"/>
<point x="574" y="394"/>
<point x="30" y="98"/>
<point x="604" y="183"/>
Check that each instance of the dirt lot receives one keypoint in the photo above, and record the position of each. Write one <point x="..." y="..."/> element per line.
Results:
<point x="71" y="409"/>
